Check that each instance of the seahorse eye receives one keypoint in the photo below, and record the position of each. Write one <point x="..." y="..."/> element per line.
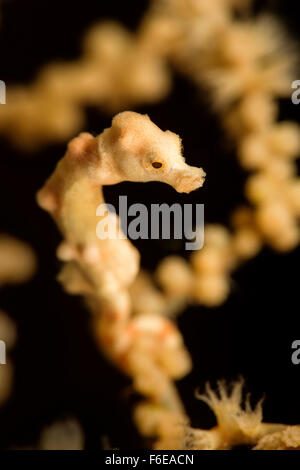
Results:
<point x="157" y="165"/>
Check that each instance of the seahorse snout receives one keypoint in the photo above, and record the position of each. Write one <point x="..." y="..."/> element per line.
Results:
<point x="188" y="179"/>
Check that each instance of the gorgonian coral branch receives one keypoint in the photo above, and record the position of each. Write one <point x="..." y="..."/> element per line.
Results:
<point x="17" y="264"/>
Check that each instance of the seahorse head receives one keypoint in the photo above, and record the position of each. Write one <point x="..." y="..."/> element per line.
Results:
<point x="143" y="152"/>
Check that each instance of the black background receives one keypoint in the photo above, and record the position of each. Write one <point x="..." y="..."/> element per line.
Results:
<point x="59" y="370"/>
